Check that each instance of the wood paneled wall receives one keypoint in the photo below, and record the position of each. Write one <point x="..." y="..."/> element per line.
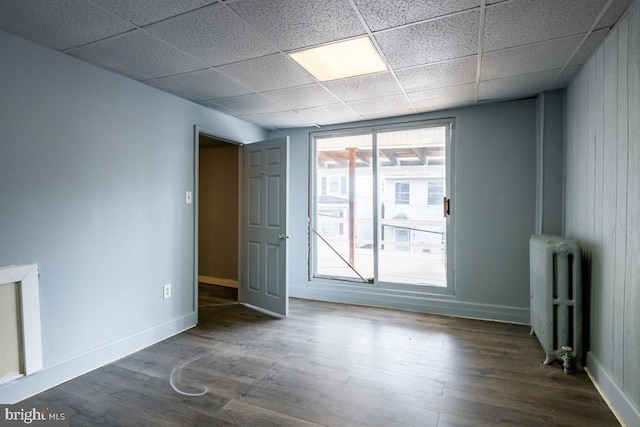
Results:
<point x="602" y="188"/>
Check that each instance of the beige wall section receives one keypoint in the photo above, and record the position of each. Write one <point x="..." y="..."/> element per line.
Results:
<point x="218" y="215"/>
<point x="9" y="333"/>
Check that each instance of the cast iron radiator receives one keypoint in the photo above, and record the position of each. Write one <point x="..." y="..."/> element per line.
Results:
<point x="556" y="298"/>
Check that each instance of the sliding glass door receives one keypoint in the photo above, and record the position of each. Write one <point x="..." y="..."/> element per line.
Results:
<point x="380" y="211"/>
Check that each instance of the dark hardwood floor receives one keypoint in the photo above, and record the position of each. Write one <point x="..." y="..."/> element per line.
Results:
<point x="333" y="365"/>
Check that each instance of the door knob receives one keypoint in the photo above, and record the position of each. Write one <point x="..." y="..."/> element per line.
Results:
<point x="283" y="236"/>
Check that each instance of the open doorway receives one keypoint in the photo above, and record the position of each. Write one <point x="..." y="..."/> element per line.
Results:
<point x="241" y="218"/>
<point x="218" y="204"/>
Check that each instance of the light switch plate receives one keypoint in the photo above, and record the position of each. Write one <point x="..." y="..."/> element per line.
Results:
<point x="189" y="198"/>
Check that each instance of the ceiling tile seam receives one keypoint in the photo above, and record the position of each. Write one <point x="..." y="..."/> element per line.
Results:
<point x="425" y="21"/>
<point x="192" y="57"/>
<point x="168" y="76"/>
<point x="279" y="51"/>
<point x="540" y="42"/>
<point x="367" y="30"/>
<point x="265" y="94"/>
<point x="381" y="53"/>
<point x="219" y="69"/>
<point x="584" y="39"/>
<point x="457" y="85"/>
<point x="322" y="83"/>
<point x="212" y="100"/>
<point x="205" y="66"/>
<point x="256" y="121"/>
<point x="257" y="30"/>
<point x="440" y="62"/>
<point x="501" y="3"/>
<point x="511" y="76"/>
<point x="150" y="23"/>
<point x="295" y="110"/>
<point x="80" y="46"/>
<point x="284" y="110"/>
<point x="182" y="93"/>
<point x="483" y="11"/>
<point x="253" y="117"/>
<point x="285" y="53"/>
<point x="227" y="110"/>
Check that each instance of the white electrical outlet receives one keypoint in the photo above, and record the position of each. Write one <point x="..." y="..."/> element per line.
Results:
<point x="166" y="291"/>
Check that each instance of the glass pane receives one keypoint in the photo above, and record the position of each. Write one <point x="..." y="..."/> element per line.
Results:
<point x="343" y="235"/>
<point x="412" y="176"/>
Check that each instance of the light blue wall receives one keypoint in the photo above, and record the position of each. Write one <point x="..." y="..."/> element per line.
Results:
<point x="494" y="207"/>
<point x="603" y="208"/>
<point x="550" y="186"/>
<point x="93" y="173"/>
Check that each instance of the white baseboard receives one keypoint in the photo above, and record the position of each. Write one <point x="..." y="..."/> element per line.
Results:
<point x="230" y="283"/>
<point x="410" y="301"/>
<point x="622" y="407"/>
<point x="51" y="376"/>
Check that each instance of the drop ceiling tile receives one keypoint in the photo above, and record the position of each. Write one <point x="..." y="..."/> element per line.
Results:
<point x="166" y="87"/>
<point x="202" y="85"/>
<point x="303" y="97"/>
<point x="211" y="104"/>
<point x="433" y="41"/>
<point x="138" y="55"/>
<point x="383" y="14"/>
<point x="614" y="13"/>
<point x="373" y="108"/>
<point x="257" y="122"/>
<point x="279" y="120"/>
<point x="249" y="104"/>
<point x="520" y="22"/>
<point x="268" y="73"/>
<point x="548" y="55"/>
<point x="144" y="12"/>
<point x="293" y="24"/>
<point x="60" y="24"/>
<point x="589" y="46"/>
<point x="363" y="87"/>
<point x="517" y="87"/>
<point x="449" y="73"/>
<point x="443" y="98"/>
<point x="214" y="35"/>
<point x="329" y="114"/>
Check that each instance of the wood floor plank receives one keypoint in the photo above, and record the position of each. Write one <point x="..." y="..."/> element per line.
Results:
<point x="333" y="365"/>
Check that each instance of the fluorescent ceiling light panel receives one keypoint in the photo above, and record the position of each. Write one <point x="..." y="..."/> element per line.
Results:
<point x="340" y="60"/>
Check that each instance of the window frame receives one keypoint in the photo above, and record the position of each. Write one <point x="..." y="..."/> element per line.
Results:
<point x="448" y="187"/>
<point x="406" y="195"/>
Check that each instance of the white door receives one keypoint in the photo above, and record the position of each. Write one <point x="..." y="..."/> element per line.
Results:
<point x="264" y="278"/>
